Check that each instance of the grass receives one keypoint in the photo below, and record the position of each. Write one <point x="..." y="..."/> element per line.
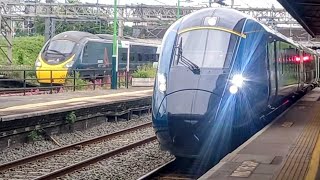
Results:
<point x="145" y="71"/>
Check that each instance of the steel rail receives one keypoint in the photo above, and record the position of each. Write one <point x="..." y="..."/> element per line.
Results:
<point x="68" y="147"/>
<point x="95" y="159"/>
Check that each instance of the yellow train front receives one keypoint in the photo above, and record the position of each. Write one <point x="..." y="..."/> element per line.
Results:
<point x="58" y="56"/>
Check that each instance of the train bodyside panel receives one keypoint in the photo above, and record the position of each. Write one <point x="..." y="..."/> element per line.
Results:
<point x="55" y="74"/>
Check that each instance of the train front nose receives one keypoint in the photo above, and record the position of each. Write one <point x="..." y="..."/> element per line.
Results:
<point x="191" y="104"/>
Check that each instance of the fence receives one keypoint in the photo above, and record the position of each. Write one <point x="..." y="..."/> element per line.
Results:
<point x="30" y="81"/>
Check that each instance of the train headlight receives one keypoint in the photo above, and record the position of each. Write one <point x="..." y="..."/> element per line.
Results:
<point x="69" y="64"/>
<point x="237" y="80"/>
<point x="37" y="63"/>
<point x="162" y="82"/>
<point x="233" y="89"/>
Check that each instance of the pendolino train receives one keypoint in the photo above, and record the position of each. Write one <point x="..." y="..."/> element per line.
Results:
<point x="89" y="54"/>
<point x="220" y="71"/>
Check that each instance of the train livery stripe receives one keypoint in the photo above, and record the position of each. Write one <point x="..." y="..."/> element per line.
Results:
<point x="74" y="100"/>
<point x="212" y="28"/>
<point x="314" y="162"/>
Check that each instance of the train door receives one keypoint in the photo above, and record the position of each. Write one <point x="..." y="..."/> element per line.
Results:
<point x="317" y="67"/>
<point x="272" y="63"/>
<point x="303" y="78"/>
<point x="96" y="59"/>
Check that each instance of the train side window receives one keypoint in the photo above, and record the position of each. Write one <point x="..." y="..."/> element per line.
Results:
<point x="279" y="58"/>
<point x="132" y="56"/>
<point x="146" y="57"/>
<point x="124" y="57"/>
<point x="152" y="57"/>
<point x="139" y="57"/>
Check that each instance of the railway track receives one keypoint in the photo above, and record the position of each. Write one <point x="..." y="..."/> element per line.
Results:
<point x="177" y="169"/>
<point x="66" y="159"/>
<point x="21" y="91"/>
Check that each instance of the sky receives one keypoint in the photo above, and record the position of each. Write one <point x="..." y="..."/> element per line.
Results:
<point x="239" y="3"/>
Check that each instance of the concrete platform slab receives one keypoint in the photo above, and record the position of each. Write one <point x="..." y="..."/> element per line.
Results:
<point x="27" y="106"/>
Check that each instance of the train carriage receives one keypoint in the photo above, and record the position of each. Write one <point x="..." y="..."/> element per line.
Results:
<point x="220" y="71"/>
<point x="89" y="55"/>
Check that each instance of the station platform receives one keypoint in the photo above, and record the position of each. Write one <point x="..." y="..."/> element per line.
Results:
<point x="17" y="107"/>
<point x="287" y="148"/>
<point x="52" y="114"/>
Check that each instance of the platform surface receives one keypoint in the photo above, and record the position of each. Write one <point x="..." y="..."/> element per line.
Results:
<point x="14" y="106"/>
<point x="287" y="148"/>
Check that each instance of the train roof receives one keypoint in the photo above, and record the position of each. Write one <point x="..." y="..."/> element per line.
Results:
<point x="231" y="18"/>
<point x="75" y="36"/>
<point x="131" y="39"/>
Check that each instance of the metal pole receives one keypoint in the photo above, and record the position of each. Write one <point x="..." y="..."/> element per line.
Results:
<point x="94" y="79"/>
<point x="51" y="86"/>
<point x="128" y="66"/>
<point x="178" y="10"/>
<point x="114" y="50"/>
<point x="119" y="79"/>
<point x="74" y="80"/>
<point x="24" y="82"/>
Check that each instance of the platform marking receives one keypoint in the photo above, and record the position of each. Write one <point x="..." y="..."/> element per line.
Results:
<point x="28" y="106"/>
<point x="287" y="124"/>
<point x="295" y="165"/>
<point x="314" y="162"/>
<point x="245" y="169"/>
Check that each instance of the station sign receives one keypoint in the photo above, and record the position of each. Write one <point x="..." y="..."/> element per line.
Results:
<point x="125" y="44"/>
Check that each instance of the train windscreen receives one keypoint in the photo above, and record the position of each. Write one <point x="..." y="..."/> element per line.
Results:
<point x="205" y="48"/>
<point x="58" y="50"/>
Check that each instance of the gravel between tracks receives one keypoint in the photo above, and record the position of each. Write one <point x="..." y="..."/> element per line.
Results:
<point x="129" y="165"/>
<point x="28" y="149"/>
<point x="40" y="167"/>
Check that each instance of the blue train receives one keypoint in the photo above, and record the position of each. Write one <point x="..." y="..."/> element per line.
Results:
<point x="220" y="71"/>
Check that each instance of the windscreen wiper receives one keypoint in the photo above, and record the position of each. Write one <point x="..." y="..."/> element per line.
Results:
<point x="193" y="67"/>
<point x="185" y="61"/>
<point x="56" y="51"/>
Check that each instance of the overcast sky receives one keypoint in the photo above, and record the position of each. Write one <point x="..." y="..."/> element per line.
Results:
<point x="241" y="3"/>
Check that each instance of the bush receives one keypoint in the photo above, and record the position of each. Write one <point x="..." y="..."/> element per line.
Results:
<point x="34" y="135"/>
<point x="25" y="50"/>
<point x="16" y="72"/>
<point x="145" y="71"/>
<point x="71" y="118"/>
<point x="80" y="83"/>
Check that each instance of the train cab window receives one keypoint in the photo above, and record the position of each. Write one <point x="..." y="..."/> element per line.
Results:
<point x="60" y="46"/>
<point x="199" y="47"/>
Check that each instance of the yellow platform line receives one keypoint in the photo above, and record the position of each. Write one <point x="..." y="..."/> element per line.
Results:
<point x="314" y="162"/>
<point x="27" y="106"/>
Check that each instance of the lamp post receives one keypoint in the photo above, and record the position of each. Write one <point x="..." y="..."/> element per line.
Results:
<point x="179" y="7"/>
<point x="114" y="75"/>
<point x="178" y="10"/>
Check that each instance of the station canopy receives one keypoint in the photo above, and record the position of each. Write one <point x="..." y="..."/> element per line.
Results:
<point x="306" y="12"/>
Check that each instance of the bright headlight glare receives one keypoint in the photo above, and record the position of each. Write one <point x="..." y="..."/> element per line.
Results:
<point x="38" y="63"/>
<point x="237" y="80"/>
<point x="233" y="89"/>
<point x="69" y="64"/>
<point x="162" y="82"/>
<point x="162" y="87"/>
